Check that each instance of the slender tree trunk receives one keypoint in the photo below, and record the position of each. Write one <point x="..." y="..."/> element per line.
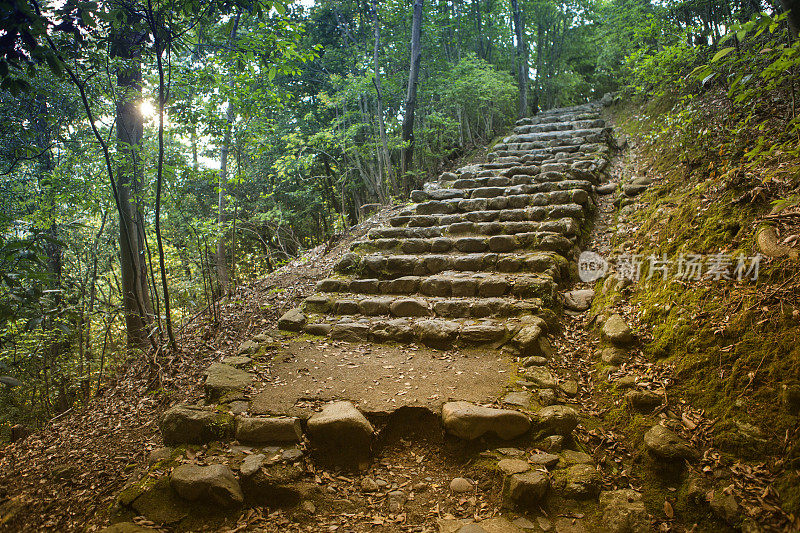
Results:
<point x="130" y="127"/>
<point x="384" y="160"/>
<point x="162" y="100"/>
<point x="221" y="256"/>
<point x="522" y="59"/>
<point x="411" y="96"/>
<point x="793" y="7"/>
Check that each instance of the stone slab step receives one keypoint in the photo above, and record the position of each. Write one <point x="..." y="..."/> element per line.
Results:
<point x="534" y="240"/>
<point x="436" y="332"/>
<point x="588" y="135"/>
<point x="560" y="126"/>
<point x="456" y="284"/>
<point x="535" y="213"/>
<point x="408" y="236"/>
<point x="531" y="183"/>
<point x="552" y="204"/>
<point x="391" y="266"/>
<point x="563" y="116"/>
<point x="420" y="306"/>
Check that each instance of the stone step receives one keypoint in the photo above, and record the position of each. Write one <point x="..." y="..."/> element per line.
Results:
<point x="552" y="202"/>
<point x="533" y="186"/>
<point x="588" y="135"/>
<point x="510" y="214"/>
<point x="568" y="116"/>
<point x="422" y="306"/>
<point x="560" y="126"/>
<point x="522" y="149"/>
<point x="542" y="240"/>
<point x="436" y="332"/>
<point x="447" y="238"/>
<point x="466" y="190"/>
<point x="456" y="284"/>
<point x="392" y="266"/>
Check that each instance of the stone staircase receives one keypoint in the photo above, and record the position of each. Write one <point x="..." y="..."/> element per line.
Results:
<point x="477" y="260"/>
<point x="479" y="256"/>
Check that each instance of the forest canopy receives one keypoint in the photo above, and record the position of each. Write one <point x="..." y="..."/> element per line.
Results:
<point x="156" y="154"/>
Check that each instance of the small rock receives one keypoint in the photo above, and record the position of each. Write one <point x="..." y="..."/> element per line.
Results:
<point x="292" y="320"/>
<point x="569" y="387"/>
<point x="540" y="377"/>
<point x="368" y="485"/>
<point x="420" y="487"/>
<point x="223" y="380"/>
<point x="396" y="499"/>
<point x="511" y="452"/>
<point x="469" y="421"/>
<point x="239" y="407"/>
<point x="577" y="482"/>
<point x="267" y="430"/>
<point x="461" y="485"/>
<point x="665" y="444"/>
<point x="643" y="401"/>
<point x="382" y="483"/>
<point x="616" y="331"/>
<point x="614" y="355"/>
<point x="608" y="188"/>
<point x="531" y="341"/>
<point x="557" y="419"/>
<point x="571" y="457"/>
<point x="189" y="424"/>
<point x="158" y="455"/>
<point x="237" y="360"/>
<point x="252" y="464"/>
<point x="547" y="397"/>
<point x="545" y="460"/>
<point x="214" y="484"/>
<point x="553" y="443"/>
<point x="725" y="506"/>
<point x="341" y="434"/>
<point x="246" y="348"/>
<point x="626" y="382"/>
<point x="512" y="466"/>
<point x="579" y="300"/>
<point x="308" y="507"/>
<point x="518" y="399"/>
<point x="291" y="455"/>
<point x="624" y="512"/>
<point x="525" y="490"/>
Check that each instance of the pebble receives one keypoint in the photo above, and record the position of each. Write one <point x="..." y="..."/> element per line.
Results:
<point x="396" y="500"/>
<point x="369" y="485"/>
<point x="461" y="485"/>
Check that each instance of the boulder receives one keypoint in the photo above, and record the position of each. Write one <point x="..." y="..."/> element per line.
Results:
<point x="544" y="460"/>
<point x="189" y="424"/>
<point x="292" y="320"/>
<point x="578" y="482"/>
<point x="461" y="485"/>
<point x="531" y="341"/>
<point x="468" y="421"/>
<point x="526" y="489"/>
<point x="667" y="445"/>
<point x="614" y="355"/>
<point x="557" y="419"/>
<point x="616" y="331"/>
<point x="624" y="512"/>
<point x="643" y="401"/>
<point x="225" y="382"/>
<point x="341" y="435"/>
<point x="579" y="300"/>
<point x="267" y="430"/>
<point x="252" y="464"/>
<point x="540" y="377"/>
<point x="213" y="484"/>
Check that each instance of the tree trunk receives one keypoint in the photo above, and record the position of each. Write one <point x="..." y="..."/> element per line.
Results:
<point x="130" y="127"/>
<point x="384" y="161"/>
<point x="522" y="59"/>
<point x="793" y="7"/>
<point x="222" y="260"/>
<point x="411" y="96"/>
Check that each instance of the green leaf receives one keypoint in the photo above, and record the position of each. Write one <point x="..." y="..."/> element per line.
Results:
<point x="722" y="53"/>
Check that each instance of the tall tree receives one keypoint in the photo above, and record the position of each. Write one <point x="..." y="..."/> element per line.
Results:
<point x="384" y="161"/>
<point x="127" y="48"/>
<point x="522" y="58"/>
<point x="407" y="157"/>
<point x="222" y="256"/>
